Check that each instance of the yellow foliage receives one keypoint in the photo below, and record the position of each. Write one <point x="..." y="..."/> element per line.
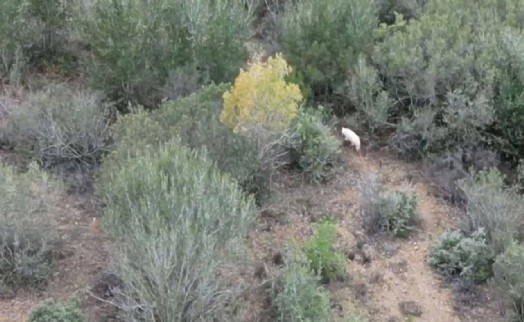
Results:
<point x="260" y="98"/>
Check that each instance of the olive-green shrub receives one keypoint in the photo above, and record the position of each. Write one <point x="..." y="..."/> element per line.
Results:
<point x="59" y="125"/>
<point x="520" y="174"/>
<point x="508" y="277"/>
<point x="28" y="235"/>
<point x="322" y="40"/>
<point x="195" y="120"/>
<point x="15" y="35"/>
<point x="467" y="257"/>
<point x="399" y="213"/>
<point x="178" y="223"/>
<point x="54" y="311"/>
<point x="395" y="213"/>
<point x="323" y="260"/>
<point x="298" y="295"/>
<point x="32" y="33"/>
<point x="137" y="44"/>
<point x="313" y="148"/>
<point x="493" y="206"/>
<point x="455" y="76"/>
<point x="364" y="90"/>
<point x="409" y="9"/>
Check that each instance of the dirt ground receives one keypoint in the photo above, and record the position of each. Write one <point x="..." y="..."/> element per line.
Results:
<point x="389" y="278"/>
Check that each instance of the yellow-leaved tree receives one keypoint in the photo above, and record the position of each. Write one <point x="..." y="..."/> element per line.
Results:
<point x="261" y="106"/>
<point x="260" y="101"/>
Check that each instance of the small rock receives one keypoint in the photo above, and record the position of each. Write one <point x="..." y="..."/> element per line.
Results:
<point x="410" y="308"/>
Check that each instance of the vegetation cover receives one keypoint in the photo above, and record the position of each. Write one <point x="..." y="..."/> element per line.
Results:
<point x="197" y="128"/>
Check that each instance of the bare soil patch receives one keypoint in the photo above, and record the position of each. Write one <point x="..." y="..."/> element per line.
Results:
<point x="386" y="273"/>
<point x="388" y="276"/>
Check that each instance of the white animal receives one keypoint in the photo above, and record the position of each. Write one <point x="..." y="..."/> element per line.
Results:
<point x="352" y="137"/>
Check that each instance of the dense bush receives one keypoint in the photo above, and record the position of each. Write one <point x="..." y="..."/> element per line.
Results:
<point x="520" y="174"/>
<point x="395" y="213"/>
<point x="456" y="255"/>
<point x="509" y="278"/>
<point x="59" y="125"/>
<point x="195" y="119"/>
<point x="137" y="44"/>
<point x="323" y="260"/>
<point x="493" y="206"/>
<point x="298" y="295"/>
<point x="177" y="222"/>
<point x="52" y="311"/>
<point x="28" y="235"/>
<point x="398" y="213"/>
<point x="322" y="40"/>
<point x="364" y="91"/>
<point x="261" y="102"/>
<point x="261" y="105"/>
<point x="388" y="9"/>
<point x="15" y="35"/>
<point x="441" y="75"/>
<point x="31" y="33"/>
<point x="314" y="150"/>
<point x="450" y="83"/>
<point x="54" y="42"/>
<point x="445" y="171"/>
<point x="448" y="169"/>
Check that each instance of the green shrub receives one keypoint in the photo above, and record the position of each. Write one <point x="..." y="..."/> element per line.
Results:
<point x="364" y="91"/>
<point x="492" y="205"/>
<point x="298" y="295"/>
<point x="15" y="35"/>
<point x="520" y="174"/>
<point x="59" y="125"/>
<point x="508" y="276"/>
<point x="177" y="222"/>
<point x="195" y="119"/>
<point x="456" y="255"/>
<point x="322" y="40"/>
<point x="398" y="213"/>
<point x="510" y="101"/>
<point x="31" y="32"/>
<point x="261" y="106"/>
<point x="54" y="38"/>
<point x="394" y="213"/>
<point x="388" y="9"/>
<point x="28" y="235"/>
<point x="313" y="148"/>
<point x="319" y="251"/>
<point x="137" y="44"/>
<point x="449" y="81"/>
<point x="418" y="135"/>
<point x="52" y="311"/>
<point x="296" y="77"/>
